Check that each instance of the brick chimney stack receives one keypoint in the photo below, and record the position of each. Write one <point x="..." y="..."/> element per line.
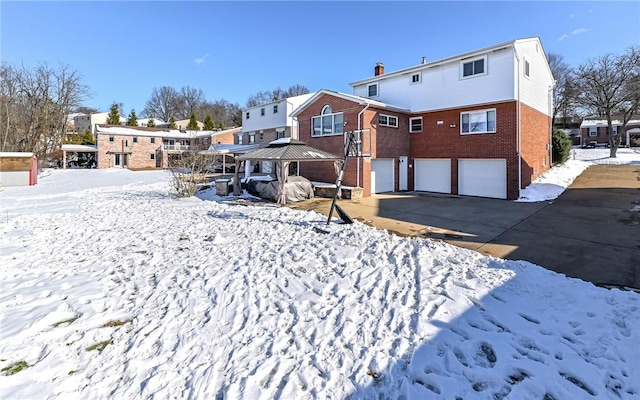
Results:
<point x="379" y="70"/>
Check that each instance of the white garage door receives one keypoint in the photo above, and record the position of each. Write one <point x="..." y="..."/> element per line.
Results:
<point x="382" y="175"/>
<point x="484" y="178"/>
<point x="432" y="175"/>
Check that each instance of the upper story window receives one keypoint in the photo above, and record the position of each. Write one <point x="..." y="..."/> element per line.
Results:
<point x="388" y="120"/>
<point x="111" y="138"/>
<point x="246" y="115"/>
<point x="593" y="131"/>
<point x="135" y="139"/>
<point x="329" y="123"/>
<point x="415" y="124"/>
<point x="478" y="122"/>
<point x="372" y="90"/>
<point x="416" y="78"/>
<point x="153" y="140"/>
<point x="275" y="109"/>
<point x="262" y="112"/>
<point x="525" y="67"/>
<point x="474" y="67"/>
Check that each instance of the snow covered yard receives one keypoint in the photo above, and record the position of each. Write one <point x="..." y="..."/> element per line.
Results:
<point x="112" y="288"/>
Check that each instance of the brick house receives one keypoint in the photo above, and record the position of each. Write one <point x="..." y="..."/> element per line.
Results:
<point x="595" y="132"/>
<point x="475" y="124"/>
<point x="139" y="147"/>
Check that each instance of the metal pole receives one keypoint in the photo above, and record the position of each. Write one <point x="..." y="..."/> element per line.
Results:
<point x="347" y="148"/>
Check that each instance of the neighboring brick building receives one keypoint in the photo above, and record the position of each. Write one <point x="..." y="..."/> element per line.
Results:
<point x="145" y="148"/>
<point x="475" y="124"/>
<point x="595" y="132"/>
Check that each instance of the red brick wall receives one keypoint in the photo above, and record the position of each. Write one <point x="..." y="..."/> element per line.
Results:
<point x="141" y="151"/>
<point x="445" y="141"/>
<point x="535" y="128"/>
<point x="601" y="138"/>
<point x="379" y="142"/>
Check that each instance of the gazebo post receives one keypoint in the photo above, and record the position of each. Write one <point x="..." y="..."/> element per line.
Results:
<point x="237" y="188"/>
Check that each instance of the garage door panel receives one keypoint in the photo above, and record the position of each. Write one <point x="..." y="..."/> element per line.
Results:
<point x="382" y="175"/>
<point x="483" y="177"/>
<point x="432" y="175"/>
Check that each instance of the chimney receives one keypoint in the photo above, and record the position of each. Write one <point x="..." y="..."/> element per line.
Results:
<point x="379" y="69"/>
<point x="424" y="60"/>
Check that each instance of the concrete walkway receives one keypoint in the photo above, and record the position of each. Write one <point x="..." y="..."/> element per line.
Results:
<point x="587" y="233"/>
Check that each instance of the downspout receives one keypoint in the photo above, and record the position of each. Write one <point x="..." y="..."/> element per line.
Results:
<point x="518" y="124"/>
<point x="360" y="158"/>
<point x="550" y="101"/>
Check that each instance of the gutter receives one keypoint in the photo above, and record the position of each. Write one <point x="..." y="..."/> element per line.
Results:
<point x="360" y="158"/>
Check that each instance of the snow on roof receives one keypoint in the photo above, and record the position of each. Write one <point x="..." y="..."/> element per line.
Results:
<point x="350" y="97"/>
<point x="16" y="154"/>
<point x="140" y="131"/>
<point x="79" y="147"/>
<point x="603" y="122"/>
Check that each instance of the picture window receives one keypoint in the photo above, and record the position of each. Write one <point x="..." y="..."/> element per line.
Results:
<point x="478" y="122"/>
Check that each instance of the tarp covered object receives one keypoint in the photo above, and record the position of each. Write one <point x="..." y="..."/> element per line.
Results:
<point x="297" y="188"/>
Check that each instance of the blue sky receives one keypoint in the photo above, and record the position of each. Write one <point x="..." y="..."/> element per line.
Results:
<point x="231" y="50"/>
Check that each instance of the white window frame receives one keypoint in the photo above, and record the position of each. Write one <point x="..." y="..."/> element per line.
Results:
<point x="336" y="119"/>
<point x="526" y="70"/>
<point x="369" y="86"/>
<point x="386" y="120"/>
<point x="252" y="138"/>
<point x="411" y="124"/>
<point x="415" y="81"/>
<point x="593" y="131"/>
<point x="486" y="121"/>
<point x="473" y="60"/>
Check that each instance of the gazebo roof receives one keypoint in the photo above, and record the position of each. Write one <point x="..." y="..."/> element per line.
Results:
<point x="288" y="149"/>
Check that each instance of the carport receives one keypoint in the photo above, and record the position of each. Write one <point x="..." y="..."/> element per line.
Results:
<point x="90" y="151"/>
<point x="282" y="152"/>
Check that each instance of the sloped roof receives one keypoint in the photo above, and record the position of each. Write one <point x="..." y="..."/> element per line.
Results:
<point x="357" y="99"/>
<point x="288" y="149"/>
<point x="230" y="148"/>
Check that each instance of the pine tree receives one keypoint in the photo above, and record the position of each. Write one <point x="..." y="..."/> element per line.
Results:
<point x="221" y="125"/>
<point x="151" y="123"/>
<point x="114" y="115"/>
<point x="172" y="123"/>
<point x="88" y="138"/>
<point x="132" y="120"/>
<point x="193" y="123"/>
<point x="208" y="123"/>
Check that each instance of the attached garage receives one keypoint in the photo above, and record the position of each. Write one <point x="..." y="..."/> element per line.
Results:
<point x="483" y="177"/>
<point x="432" y="174"/>
<point x="382" y="175"/>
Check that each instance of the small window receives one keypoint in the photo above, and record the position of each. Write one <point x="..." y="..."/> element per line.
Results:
<point x="275" y="109"/>
<point x="372" y="90"/>
<point x="415" y="78"/>
<point x="246" y="115"/>
<point x="111" y="138"/>
<point x="135" y="139"/>
<point x="153" y="140"/>
<point x="593" y="131"/>
<point x="478" y="122"/>
<point x="473" y="67"/>
<point x="262" y="112"/>
<point x="415" y="124"/>
<point x="526" y="68"/>
<point x="153" y="156"/>
<point x="252" y="139"/>
<point x="388" y="120"/>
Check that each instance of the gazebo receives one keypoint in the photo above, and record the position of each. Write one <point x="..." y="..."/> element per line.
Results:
<point x="282" y="152"/>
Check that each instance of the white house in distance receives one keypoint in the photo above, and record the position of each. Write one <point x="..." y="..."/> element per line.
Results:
<point x="267" y="122"/>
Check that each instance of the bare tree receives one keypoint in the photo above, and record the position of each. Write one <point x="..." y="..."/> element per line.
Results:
<point x="164" y="103"/>
<point x="564" y="92"/>
<point x="190" y="102"/>
<point x="610" y="88"/>
<point x="36" y="104"/>
<point x="267" y="96"/>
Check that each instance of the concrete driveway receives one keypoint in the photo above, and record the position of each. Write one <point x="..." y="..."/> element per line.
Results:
<point x="589" y="232"/>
